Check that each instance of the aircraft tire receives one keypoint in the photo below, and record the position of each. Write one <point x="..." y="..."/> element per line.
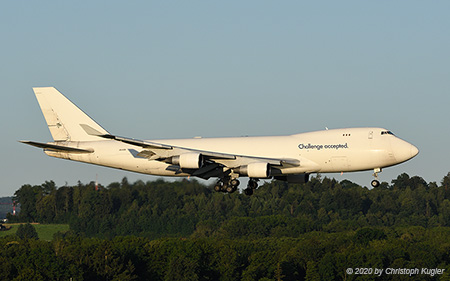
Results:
<point x="375" y="183"/>
<point x="217" y="187"/>
<point x="252" y="184"/>
<point x="224" y="188"/>
<point x="234" y="182"/>
<point x="248" y="191"/>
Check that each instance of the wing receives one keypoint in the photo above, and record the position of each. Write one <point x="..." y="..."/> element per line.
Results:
<point x="206" y="164"/>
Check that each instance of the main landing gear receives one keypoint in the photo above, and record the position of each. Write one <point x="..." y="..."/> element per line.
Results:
<point x="227" y="185"/>
<point x="375" y="182"/>
<point x="230" y="185"/>
<point x="251" y="186"/>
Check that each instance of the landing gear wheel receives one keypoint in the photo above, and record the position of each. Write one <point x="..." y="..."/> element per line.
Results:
<point x="226" y="185"/>
<point x="252" y="184"/>
<point x="232" y="185"/>
<point x="217" y="187"/>
<point x="375" y="183"/>
<point x="248" y="191"/>
<point x="234" y="182"/>
<point x="224" y="188"/>
<point x="231" y="189"/>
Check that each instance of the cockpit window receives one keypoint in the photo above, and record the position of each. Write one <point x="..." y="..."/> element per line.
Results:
<point x="387" y="133"/>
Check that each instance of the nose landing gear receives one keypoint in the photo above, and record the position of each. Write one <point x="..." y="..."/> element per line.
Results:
<point x="375" y="182"/>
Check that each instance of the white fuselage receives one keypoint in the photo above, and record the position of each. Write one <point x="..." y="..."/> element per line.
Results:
<point x="338" y="150"/>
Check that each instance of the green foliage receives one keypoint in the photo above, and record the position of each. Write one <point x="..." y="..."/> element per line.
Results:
<point x="367" y="234"/>
<point x="184" y="231"/>
<point x="187" y="208"/>
<point x="27" y="231"/>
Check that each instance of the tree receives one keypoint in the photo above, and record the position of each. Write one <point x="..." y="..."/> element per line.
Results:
<point x="446" y="181"/>
<point x="27" y="197"/>
<point x="312" y="274"/>
<point x="27" y="231"/>
<point x="365" y="235"/>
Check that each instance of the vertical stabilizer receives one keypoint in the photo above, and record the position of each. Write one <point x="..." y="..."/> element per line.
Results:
<point x="65" y="120"/>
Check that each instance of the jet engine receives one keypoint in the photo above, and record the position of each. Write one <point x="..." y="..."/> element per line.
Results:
<point x="254" y="170"/>
<point x="188" y="160"/>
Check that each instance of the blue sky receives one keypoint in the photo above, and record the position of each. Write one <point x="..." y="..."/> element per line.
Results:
<point x="179" y="69"/>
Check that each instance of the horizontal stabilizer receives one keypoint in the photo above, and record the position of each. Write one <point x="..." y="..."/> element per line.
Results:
<point x="57" y="148"/>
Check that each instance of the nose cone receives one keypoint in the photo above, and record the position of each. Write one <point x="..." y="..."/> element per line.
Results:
<point x="414" y="151"/>
<point x="403" y="150"/>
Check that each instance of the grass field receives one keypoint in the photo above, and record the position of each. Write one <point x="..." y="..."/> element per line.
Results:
<point x="45" y="231"/>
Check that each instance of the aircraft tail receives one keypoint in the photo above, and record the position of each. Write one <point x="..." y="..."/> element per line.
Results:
<point x="65" y="120"/>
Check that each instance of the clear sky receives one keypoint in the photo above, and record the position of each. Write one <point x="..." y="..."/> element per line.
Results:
<point x="179" y="69"/>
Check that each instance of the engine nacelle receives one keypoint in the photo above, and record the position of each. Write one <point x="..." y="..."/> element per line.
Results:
<point x="188" y="160"/>
<point x="302" y="178"/>
<point x="254" y="170"/>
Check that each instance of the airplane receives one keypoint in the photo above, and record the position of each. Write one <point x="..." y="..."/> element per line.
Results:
<point x="290" y="158"/>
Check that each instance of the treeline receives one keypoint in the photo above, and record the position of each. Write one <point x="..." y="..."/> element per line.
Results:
<point x="185" y="231"/>
<point x="311" y="256"/>
<point x="187" y="208"/>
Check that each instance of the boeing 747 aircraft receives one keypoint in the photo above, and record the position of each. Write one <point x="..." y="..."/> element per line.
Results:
<point x="288" y="158"/>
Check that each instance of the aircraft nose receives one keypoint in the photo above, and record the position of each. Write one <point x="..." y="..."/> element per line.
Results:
<point x="414" y="151"/>
<point x="403" y="150"/>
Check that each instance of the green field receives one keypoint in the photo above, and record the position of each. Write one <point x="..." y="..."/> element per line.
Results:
<point x="45" y="231"/>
